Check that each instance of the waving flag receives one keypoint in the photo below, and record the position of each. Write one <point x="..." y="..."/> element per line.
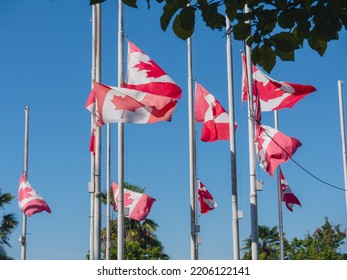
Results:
<point x="287" y="196"/>
<point x="29" y="201"/>
<point x="274" y="147"/>
<point x="273" y="95"/>
<point x="143" y="74"/>
<point x="206" y="200"/>
<point x="139" y="204"/>
<point x="214" y="116"/>
<point x="122" y="105"/>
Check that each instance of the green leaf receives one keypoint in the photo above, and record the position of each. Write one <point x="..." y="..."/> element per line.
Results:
<point x="131" y="3"/>
<point x="285" y="41"/>
<point x="318" y="45"/>
<point x="169" y="10"/>
<point x="92" y="2"/>
<point x="285" y="56"/>
<point x="267" y="58"/>
<point x="211" y="16"/>
<point x="287" y="19"/>
<point x="181" y="29"/>
<point x="242" y="31"/>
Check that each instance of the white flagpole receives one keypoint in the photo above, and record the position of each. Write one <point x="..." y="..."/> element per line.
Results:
<point x="120" y="227"/>
<point x="192" y="159"/>
<point x="343" y="135"/>
<point x="251" y="135"/>
<point x="23" y="239"/>
<point x="108" y="184"/>
<point x="235" y="220"/>
<point x="279" y="191"/>
<point x="95" y="223"/>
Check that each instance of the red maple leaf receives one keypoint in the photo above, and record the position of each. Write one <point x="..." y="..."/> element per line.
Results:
<point x="126" y="103"/>
<point x="152" y="69"/>
<point x="128" y="200"/>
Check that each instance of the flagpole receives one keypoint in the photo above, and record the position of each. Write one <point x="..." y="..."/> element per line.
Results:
<point x="235" y="221"/>
<point x="343" y="136"/>
<point x="108" y="182"/>
<point x="95" y="253"/>
<point x="251" y="128"/>
<point x="192" y="159"/>
<point x="279" y="192"/>
<point x="23" y="240"/>
<point x="120" y="227"/>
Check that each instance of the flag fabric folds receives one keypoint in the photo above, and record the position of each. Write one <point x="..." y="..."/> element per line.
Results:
<point x="207" y="109"/>
<point x="122" y="105"/>
<point x="143" y="74"/>
<point x="29" y="201"/>
<point x="287" y="195"/>
<point x="273" y="95"/>
<point x="139" y="204"/>
<point x="274" y="147"/>
<point x="149" y="95"/>
<point x="206" y="200"/>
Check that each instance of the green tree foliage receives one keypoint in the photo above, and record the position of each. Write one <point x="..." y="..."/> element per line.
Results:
<point x="323" y="244"/>
<point x="273" y="28"/>
<point x="140" y="240"/>
<point x="268" y="245"/>
<point x="8" y="223"/>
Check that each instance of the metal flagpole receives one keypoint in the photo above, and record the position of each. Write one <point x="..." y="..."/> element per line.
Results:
<point x="108" y="184"/>
<point x="120" y="227"/>
<point x="23" y="239"/>
<point x="343" y="136"/>
<point x="192" y="160"/>
<point x="96" y="171"/>
<point x="235" y="220"/>
<point x="279" y="191"/>
<point x="251" y="127"/>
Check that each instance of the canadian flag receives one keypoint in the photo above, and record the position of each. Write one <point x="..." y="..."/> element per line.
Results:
<point x="29" y="200"/>
<point x="123" y="105"/>
<point x="143" y="74"/>
<point x="274" y="147"/>
<point x="287" y="196"/>
<point x="273" y="95"/>
<point x="207" y="109"/>
<point x="139" y="204"/>
<point x="206" y="200"/>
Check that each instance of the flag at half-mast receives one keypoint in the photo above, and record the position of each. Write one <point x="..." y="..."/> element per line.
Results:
<point x="208" y="110"/>
<point x="273" y="147"/>
<point x="139" y="204"/>
<point x="273" y="95"/>
<point x="206" y="201"/>
<point x="287" y="195"/>
<point x="148" y="96"/>
<point x="29" y="201"/>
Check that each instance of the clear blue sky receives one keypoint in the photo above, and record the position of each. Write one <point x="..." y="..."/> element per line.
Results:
<point x="46" y="65"/>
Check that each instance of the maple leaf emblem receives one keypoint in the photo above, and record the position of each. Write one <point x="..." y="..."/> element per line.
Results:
<point x="126" y="103"/>
<point x="128" y="200"/>
<point x="152" y="69"/>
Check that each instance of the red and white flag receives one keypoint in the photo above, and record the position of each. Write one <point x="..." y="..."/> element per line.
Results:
<point x="273" y="95"/>
<point x="139" y="204"/>
<point x="123" y="105"/>
<point x="287" y="196"/>
<point x="29" y="200"/>
<point x="210" y="111"/>
<point x="274" y="147"/>
<point x="143" y="74"/>
<point x="206" y="200"/>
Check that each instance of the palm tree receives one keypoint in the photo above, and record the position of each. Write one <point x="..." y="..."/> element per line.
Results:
<point x="268" y="244"/>
<point x="8" y="223"/>
<point x="140" y="240"/>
